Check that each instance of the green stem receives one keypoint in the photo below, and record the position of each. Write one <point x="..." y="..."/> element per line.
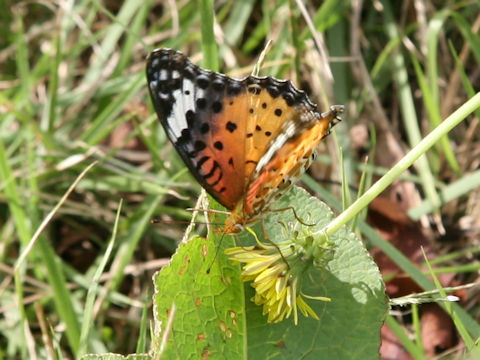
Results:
<point x="407" y="161"/>
<point x="209" y="45"/>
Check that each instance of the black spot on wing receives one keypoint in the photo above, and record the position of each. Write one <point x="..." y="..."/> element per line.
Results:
<point x="202" y="81"/>
<point x="199" y="145"/>
<point x="234" y="87"/>
<point x="190" y="116"/>
<point x="201" y="103"/>
<point x="204" y="128"/>
<point x="185" y="138"/>
<point x="289" y="98"/>
<point x="202" y="161"/>
<point x="217" y="107"/>
<point x="215" y="166"/>
<point x="220" y="176"/>
<point x="218" y="84"/>
<point x="231" y="126"/>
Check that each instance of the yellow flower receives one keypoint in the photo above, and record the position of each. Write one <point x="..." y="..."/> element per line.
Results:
<point x="275" y="271"/>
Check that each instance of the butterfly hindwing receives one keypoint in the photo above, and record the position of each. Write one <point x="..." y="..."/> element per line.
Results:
<point x="288" y="157"/>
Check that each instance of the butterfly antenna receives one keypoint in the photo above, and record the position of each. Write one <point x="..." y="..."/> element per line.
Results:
<point x="155" y="221"/>
<point x="216" y="253"/>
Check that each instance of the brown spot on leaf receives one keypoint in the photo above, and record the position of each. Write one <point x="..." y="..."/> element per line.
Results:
<point x="206" y="353"/>
<point x="186" y="261"/>
<point x="222" y="326"/>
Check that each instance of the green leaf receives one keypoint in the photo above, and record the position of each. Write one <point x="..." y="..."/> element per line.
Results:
<point x="202" y="293"/>
<point x="349" y="325"/>
<point x="214" y="318"/>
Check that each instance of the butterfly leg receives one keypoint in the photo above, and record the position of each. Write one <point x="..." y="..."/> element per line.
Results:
<point x="267" y="238"/>
<point x="299" y="219"/>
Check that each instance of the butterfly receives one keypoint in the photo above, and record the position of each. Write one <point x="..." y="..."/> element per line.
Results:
<point x="246" y="141"/>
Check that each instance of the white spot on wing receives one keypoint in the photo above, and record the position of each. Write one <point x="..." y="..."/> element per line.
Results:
<point x="177" y="120"/>
<point x="154" y="63"/>
<point x="163" y="74"/>
<point x="200" y="93"/>
<point x="188" y="102"/>
<point x="275" y="145"/>
<point x="182" y="104"/>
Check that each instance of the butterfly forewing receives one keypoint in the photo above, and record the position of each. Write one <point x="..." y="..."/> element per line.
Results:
<point x="204" y="114"/>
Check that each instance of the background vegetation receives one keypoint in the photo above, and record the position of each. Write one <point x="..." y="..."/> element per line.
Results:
<point x="73" y="92"/>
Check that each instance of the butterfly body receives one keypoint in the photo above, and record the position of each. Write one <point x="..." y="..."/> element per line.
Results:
<point x="245" y="140"/>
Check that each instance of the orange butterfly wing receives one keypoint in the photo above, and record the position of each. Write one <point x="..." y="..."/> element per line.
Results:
<point x="204" y="115"/>
<point x="288" y="157"/>
<point x="245" y="141"/>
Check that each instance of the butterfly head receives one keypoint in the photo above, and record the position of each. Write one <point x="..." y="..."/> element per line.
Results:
<point x="234" y="224"/>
